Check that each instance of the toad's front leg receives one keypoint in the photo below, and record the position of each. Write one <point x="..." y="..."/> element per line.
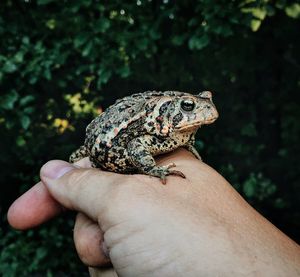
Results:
<point x="193" y="150"/>
<point x="142" y="159"/>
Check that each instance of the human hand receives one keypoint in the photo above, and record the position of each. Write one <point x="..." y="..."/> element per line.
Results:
<point x="197" y="226"/>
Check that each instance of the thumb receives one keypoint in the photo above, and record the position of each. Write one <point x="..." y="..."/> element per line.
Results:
<point x="84" y="190"/>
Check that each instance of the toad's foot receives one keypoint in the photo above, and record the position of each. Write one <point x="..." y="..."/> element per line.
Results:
<point x="163" y="171"/>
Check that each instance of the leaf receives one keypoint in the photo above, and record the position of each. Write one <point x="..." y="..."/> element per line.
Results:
<point x="293" y="10"/>
<point x="249" y="187"/>
<point x="102" y="25"/>
<point x="178" y="40"/>
<point x="143" y="43"/>
<point x="29" y="110"/>
<point x="9" y="67"/>
<point x="7" y="101"/>
<point x="259" y="13"/>
<point x="198" y="43"/>
<point x="255" y="24"/>
<point x="51" y="24"/>
<point x="25" y="121"/>
<point x="103" y="76"/>
<point x="154" y="34"/>
<point x="87" y="49"/>
<point x="26" y="99"/>
<point x="47" y="74"/>
<point x="81" y="39"/>
<point x="19" y="57"/>
<point x="25" y="40"/>
<point x="44" y="2"/>
<point x="193" y="22"/>
<point x="20" y="141"/>
<point x="124" y="71"/>
<point x="33" y="79"/>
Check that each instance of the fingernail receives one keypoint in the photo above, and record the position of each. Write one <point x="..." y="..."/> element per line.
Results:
<point x="56" y="169"/>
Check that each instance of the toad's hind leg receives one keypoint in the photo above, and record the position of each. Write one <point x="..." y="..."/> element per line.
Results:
<point x="142" y="159"/>
<point x="79" y="154"/>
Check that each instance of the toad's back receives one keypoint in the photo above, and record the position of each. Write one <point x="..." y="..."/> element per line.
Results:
<point x="104" y="128"/>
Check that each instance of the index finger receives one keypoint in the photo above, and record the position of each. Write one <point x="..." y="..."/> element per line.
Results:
<point x="33" y="208"/>
<point x="36" y="206"/>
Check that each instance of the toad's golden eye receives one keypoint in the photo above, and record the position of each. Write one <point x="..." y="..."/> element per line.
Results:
<point x="187" y="105"/>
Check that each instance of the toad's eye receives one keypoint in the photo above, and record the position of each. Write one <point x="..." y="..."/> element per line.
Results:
<point x="187" y="105"/>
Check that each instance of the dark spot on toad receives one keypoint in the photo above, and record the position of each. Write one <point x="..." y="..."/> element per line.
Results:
<point x="177" y="118"/>
<point x="164" y="107"/>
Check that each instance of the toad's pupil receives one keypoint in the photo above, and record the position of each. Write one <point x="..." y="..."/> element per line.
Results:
<point x="187" y="105"/>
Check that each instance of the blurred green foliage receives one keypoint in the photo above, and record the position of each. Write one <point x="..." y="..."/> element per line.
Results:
<point x="43" y="251"/>
<point x="61" y="62"/>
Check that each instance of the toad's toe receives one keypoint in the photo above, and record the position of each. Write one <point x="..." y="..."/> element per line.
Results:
<point x="176" y="173"/>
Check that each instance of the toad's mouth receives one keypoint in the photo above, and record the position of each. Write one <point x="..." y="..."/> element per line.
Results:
<point x="195" y="124"/>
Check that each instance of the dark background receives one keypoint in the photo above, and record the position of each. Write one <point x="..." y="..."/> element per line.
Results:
<point x="62" y="62"/>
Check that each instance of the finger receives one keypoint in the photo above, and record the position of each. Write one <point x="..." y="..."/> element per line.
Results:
<point x="89" y="242"/>
<point x="36" y="205"/>
<point x="32" y="208"/>
<point x="83" y="190"/>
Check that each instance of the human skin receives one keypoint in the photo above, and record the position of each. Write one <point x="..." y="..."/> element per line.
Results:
<point x="198" y="226"/>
